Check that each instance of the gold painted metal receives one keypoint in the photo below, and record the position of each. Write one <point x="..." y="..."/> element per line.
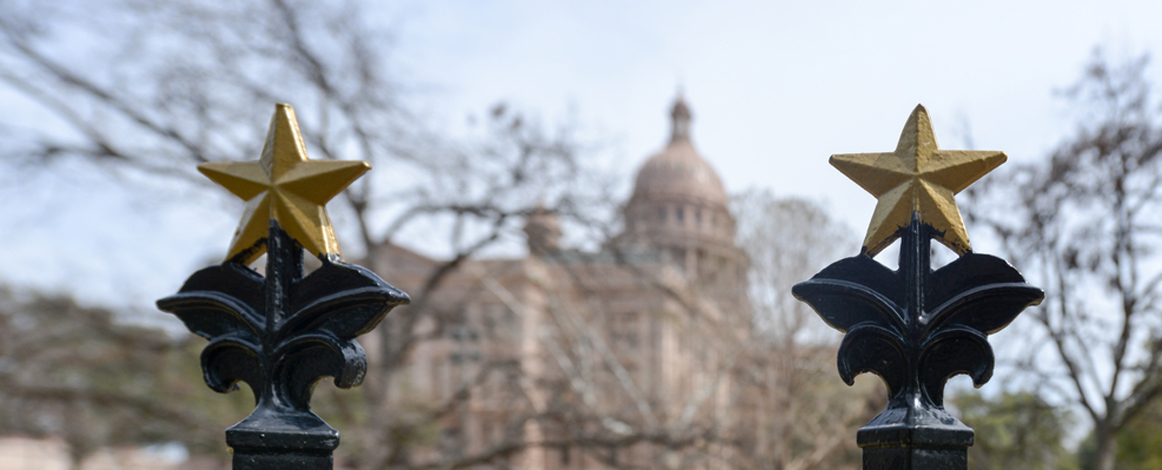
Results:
<point x="287" y="187"/>
<point x="917" y="177"/>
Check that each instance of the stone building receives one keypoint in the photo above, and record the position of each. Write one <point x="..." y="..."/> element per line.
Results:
<point x="577" y="360"/>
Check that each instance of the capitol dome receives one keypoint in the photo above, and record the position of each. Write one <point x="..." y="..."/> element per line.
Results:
<point x="678" y="173"/>
<point x="679" y="209"/>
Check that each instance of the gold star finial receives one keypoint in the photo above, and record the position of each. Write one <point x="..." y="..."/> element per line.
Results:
<point x="287" y="187"/>
<point x="917" y="177"/>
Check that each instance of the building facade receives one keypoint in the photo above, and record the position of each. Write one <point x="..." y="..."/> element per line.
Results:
<point x="570" y="360"/>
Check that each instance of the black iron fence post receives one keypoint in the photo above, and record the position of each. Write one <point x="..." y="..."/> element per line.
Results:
<point x="917" y="327"/>
<point x="282" y="332"/>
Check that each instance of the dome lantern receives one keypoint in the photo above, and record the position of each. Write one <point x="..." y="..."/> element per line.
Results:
<point x="680" y="120"/>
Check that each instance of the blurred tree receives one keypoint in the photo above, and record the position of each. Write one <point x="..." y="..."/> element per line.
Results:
<point x="805" y="416"/>
<point x="788" y="240"/>
<point x="1083" y="224"/>
<point x="1140" y="445"/>
<point x="73" y="372"/>
<point x="1015" y="430"/>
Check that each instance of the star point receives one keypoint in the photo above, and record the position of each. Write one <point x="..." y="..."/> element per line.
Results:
<point x="920" y="178"/>
<point x="286" y="186"/>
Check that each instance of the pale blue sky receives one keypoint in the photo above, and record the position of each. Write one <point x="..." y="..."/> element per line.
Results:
<point x="776" y="87"/>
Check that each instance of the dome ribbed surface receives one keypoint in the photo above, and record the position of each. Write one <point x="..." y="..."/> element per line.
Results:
<point x="679" y="171"/>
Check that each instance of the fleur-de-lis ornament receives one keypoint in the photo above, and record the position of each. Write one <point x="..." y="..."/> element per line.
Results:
<point x="283" y="332"/>
<point x="917" y="327"/>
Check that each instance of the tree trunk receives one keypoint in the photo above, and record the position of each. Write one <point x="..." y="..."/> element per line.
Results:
<point x="1106" y="452"/>
<point x="76" y="460"/>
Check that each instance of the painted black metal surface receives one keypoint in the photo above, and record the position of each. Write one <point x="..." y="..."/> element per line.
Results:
<point x="281" y="334"/>
<point x="916" y="328"/>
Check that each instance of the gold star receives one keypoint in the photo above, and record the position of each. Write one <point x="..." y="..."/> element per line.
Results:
<point x="917" y="177"/>
<point x="283" y="185"/>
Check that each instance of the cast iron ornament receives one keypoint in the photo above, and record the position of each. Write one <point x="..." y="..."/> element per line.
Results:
<point x="915" y="327"/>
<point x="281" y="333"/>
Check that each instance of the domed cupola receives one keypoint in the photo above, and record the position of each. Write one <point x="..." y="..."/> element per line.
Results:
<point x="678" y="194"/>
<point x="678" y="172"/>
<point x="679" y="204"/>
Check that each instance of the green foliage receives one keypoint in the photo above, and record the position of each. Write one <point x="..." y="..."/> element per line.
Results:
<point x="1016" y="431"/>
<point x="1139" y="444"/>
<point x="74" y="372"/>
